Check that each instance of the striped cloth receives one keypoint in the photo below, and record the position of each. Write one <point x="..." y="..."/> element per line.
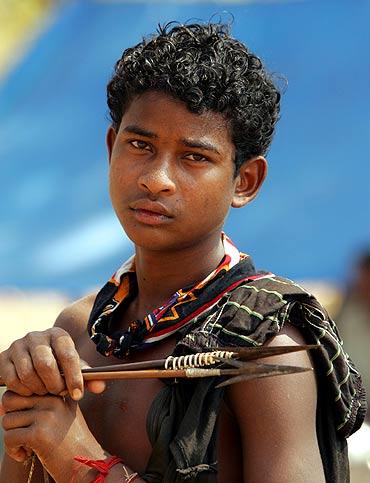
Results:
<point x="257" y="310"/>
<point x="180" y="309"/>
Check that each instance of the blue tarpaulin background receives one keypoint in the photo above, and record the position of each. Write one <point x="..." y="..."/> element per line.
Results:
<point x="57" y="228"/>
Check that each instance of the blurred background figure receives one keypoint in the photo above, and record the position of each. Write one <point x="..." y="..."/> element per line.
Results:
<point x="350" y="307"/>
<point x="353" y="320"/>
<point x="58" y="236"/>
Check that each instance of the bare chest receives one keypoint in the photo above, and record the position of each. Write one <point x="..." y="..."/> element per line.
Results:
<point x="118" y="417"/>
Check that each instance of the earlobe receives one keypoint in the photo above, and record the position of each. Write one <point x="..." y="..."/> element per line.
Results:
<point x="251" y="176"/>
<point x="110" y="139"/>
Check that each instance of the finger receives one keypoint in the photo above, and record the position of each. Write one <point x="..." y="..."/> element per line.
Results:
<point x="18" y="419"/>
<point x="14" y="445"/>
<point x="2" y="410"/>
<point x="20" y="454"/>
<point x="10" y="377"/>
<point x="46" y="366"/>
<point x="14" y="402"/>
<point x="69" y="362"/>
<point x="26" y="372"/>
<point x="96" y="387"/>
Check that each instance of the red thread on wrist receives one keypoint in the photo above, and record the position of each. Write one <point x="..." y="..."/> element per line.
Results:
<point x="103" y="466"/>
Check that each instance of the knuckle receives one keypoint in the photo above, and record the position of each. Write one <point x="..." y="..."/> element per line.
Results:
<point x="30" y="337"/>
<point x="37" y="336"/>
<point x="7" y="421"/>
<point x="43" y="358"/>
<point x="56" y="332"/>
<point x="12" y="452"/>
<point x="15" y="345"/>
<point x="3" y="357"/>
<point x="55" y="387"/>
<point x="7" y="399"/>
<point x="21" y="390"/>
<point x="12" y="382"/>
<point x="40" y="391"/>
<point x="5" y="402"/>
<point x="42" y="363"/>
<point x="49" y="419"/>
<point x="69" y="355"/>
<point x="4" y="422"/>
<point x="41" y="433"/>
<point x="62" y="340"/>
<point x="14" y="349"/>
<point x="26" y="375"/>
<point x="26" y="380"/>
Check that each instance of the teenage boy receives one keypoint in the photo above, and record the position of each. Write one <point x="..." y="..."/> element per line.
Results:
<point x="193" y="113"/>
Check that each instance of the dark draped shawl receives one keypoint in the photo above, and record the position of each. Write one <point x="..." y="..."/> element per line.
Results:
<point x="181" y="423"/>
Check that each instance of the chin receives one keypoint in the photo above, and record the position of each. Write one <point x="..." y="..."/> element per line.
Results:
<point x="150" y="238"/>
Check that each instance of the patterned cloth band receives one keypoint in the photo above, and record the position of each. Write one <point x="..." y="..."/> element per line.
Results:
<point x="181" y="308"/>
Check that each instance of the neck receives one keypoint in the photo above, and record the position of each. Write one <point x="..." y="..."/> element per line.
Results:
<point x="159" y="275"/>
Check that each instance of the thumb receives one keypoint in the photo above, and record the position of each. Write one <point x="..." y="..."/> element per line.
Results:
<point x="19" y="453"/>
<point x="95" y="387"/>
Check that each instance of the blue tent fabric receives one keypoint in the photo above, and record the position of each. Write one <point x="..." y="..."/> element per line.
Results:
<point x="57" y="228"/>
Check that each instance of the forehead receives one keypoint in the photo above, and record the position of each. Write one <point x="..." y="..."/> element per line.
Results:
<point x="166" y="116"/>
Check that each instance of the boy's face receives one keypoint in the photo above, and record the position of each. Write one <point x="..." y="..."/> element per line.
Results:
<point x="171" y="173"/>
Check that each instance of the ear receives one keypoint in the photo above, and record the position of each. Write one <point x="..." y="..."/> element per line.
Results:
<point x="110" y="139"/>
<point x="252" y="174"/>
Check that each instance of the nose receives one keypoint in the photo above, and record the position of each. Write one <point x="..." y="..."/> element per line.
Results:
<point x="156" y="178"/>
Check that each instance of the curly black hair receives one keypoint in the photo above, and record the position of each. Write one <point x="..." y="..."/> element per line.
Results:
<point x="207" y="69"/>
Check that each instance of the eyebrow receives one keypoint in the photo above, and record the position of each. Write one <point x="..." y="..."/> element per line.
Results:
<point x="200" y="145"/>
<point x="190" y="143"/>
<point x="140" y="131"/>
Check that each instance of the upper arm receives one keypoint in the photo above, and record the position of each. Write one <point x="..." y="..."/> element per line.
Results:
<point x="277" y="420"/>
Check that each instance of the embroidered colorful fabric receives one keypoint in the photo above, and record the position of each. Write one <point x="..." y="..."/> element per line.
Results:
<point x="180" y="309"/>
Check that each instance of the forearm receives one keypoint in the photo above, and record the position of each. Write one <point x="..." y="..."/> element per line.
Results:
<point x="119" y="473"/>
<point x="55" y="430"/>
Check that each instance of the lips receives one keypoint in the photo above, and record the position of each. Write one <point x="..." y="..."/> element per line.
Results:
<point x="150" y="212"/>
<point x="151" y="208"/>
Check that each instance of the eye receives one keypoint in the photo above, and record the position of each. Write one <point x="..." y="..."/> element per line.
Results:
<point x="196" y="157"/>
<point x="138" y="144"/>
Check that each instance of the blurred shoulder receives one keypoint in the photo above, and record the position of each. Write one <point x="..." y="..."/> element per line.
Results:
<point x="73" y="319"/>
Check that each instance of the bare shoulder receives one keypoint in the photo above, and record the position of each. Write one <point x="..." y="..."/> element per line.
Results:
<point x="277" y="417"/>
<point x="289" y="335"/>
<point x="74" y="317"/>
<point x="285" y="384"/>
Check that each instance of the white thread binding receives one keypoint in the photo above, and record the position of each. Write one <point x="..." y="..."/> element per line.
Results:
<point x="200" y="359"/>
